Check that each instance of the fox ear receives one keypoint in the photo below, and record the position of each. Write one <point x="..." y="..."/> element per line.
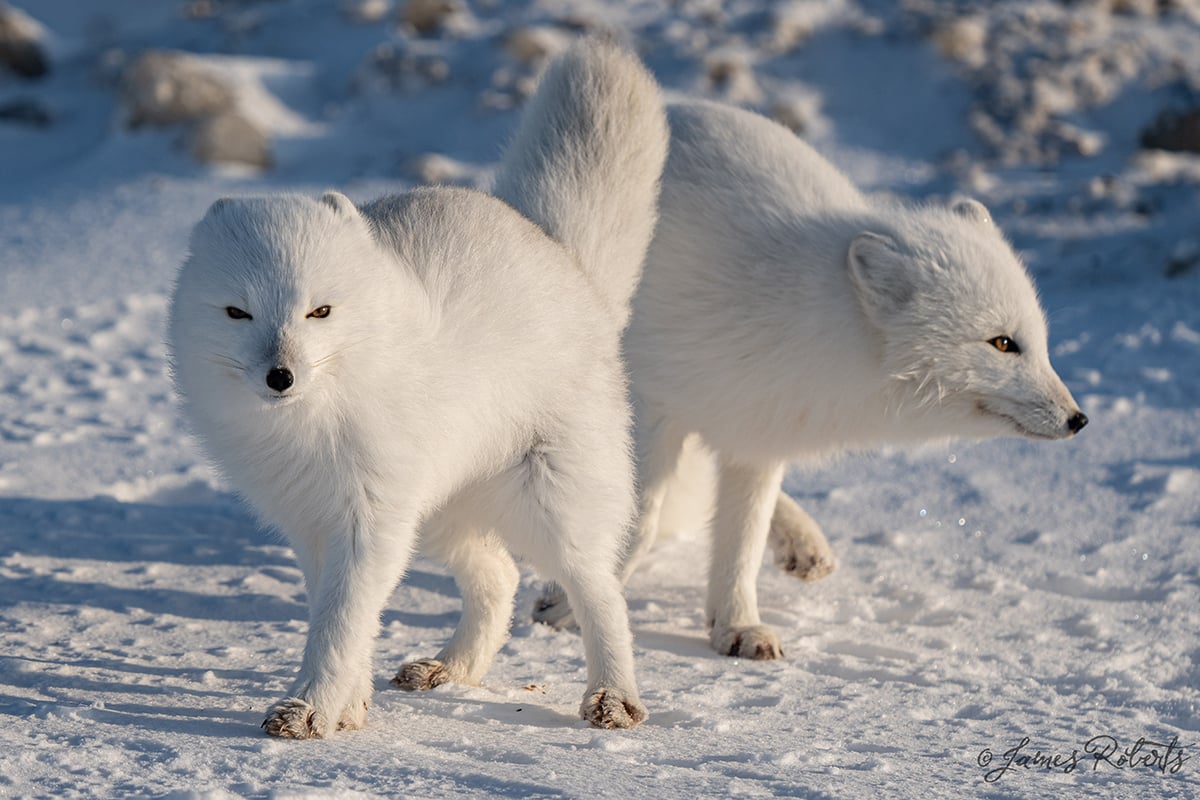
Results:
<point x="971" y="208"/>
<point x="340" y="203"/>
<point x="881" y="276"/>
<point x="218" y="206"/>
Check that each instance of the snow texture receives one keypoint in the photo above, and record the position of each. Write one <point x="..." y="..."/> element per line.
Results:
<point x="986" y="592"/>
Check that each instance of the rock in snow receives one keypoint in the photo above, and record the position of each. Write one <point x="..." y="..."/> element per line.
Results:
<point x="166" y="88"/>
<point x="229" y="138"/>
<point x="21" y="47"/>
<point x="1174" y="130"/>
<point x="163" y="88"/>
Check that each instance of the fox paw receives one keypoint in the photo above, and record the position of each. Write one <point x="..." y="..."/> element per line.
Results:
<point x="756" y="642"/>
<point x="799" y="546"/>
<point x="612" y="708"/>
<point x="421" y="675"/>
<point x="553" y="609"/>
<point x="810" y="566"/>
<point x="354" y="717"/>
<point x="294" y="718"/>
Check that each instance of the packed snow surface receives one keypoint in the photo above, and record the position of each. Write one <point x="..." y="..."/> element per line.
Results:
<point x="1013" y="604"/>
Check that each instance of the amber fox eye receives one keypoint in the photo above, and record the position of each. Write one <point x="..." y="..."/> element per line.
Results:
<point x="236" y="313"/>
<point x="320" y="312"/>
<point x="1005" y="344"/>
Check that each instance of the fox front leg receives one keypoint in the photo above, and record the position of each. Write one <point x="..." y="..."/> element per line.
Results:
<point x="360" y="568"/>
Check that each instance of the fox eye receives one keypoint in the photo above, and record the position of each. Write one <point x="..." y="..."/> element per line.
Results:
<point x="1005" y="344"/>
<point x="320" y="312"/>
<point x="236" y="313"/>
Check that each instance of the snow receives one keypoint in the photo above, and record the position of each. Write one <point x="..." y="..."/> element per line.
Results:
<point x="986" y="591"/>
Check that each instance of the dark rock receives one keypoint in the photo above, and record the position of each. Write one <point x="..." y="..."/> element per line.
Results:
<point x="21" y="48"/>
<point x="25" y="111"/>
<point x="1174" y="130"/>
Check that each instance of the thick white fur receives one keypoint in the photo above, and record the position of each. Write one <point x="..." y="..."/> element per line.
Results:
<point x="464" y="394"/>
<point x="783" y="315"/>
<point x="594" y="197"/>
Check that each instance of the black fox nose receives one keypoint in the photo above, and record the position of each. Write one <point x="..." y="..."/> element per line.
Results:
<point x="1075" y="423"/>
<point x="280" y="378"/>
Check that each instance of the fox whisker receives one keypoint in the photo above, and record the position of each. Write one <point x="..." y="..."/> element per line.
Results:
<point x="226" y="361"/>
<point x="341" y="350"/>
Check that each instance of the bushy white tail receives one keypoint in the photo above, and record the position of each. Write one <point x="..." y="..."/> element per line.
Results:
<point x="586" y="162"/>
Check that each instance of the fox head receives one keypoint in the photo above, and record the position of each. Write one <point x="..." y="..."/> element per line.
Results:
<point x="962" y="329"/>
<point x="274" y="299"/>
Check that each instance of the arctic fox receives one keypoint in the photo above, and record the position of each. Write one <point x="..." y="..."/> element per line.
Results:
<point x="435" y="370"/>
<point x="783" y="315"/>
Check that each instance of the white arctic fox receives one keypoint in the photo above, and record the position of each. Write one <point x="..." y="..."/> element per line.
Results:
<point x="783" y="315"/>
<point x="436" y="371"/>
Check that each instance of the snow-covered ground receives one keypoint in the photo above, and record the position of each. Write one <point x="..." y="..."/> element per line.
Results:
<point x="987" y="593"/>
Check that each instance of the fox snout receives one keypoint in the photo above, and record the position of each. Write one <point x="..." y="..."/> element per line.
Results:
<point x="280" y="379"/>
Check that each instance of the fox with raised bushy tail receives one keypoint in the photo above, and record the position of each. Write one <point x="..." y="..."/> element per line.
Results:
<point x="441" y="371"/>
<point x="785" y="316"/>
<point x="594" y="197"/>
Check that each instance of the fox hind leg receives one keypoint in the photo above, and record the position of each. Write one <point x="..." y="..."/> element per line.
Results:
<point x="745" y="499"/>
<point x="659" y="447"/>
<point x="487" y="579"/>
<point x="797" y="542"/>
<point x="568" y="508"/>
